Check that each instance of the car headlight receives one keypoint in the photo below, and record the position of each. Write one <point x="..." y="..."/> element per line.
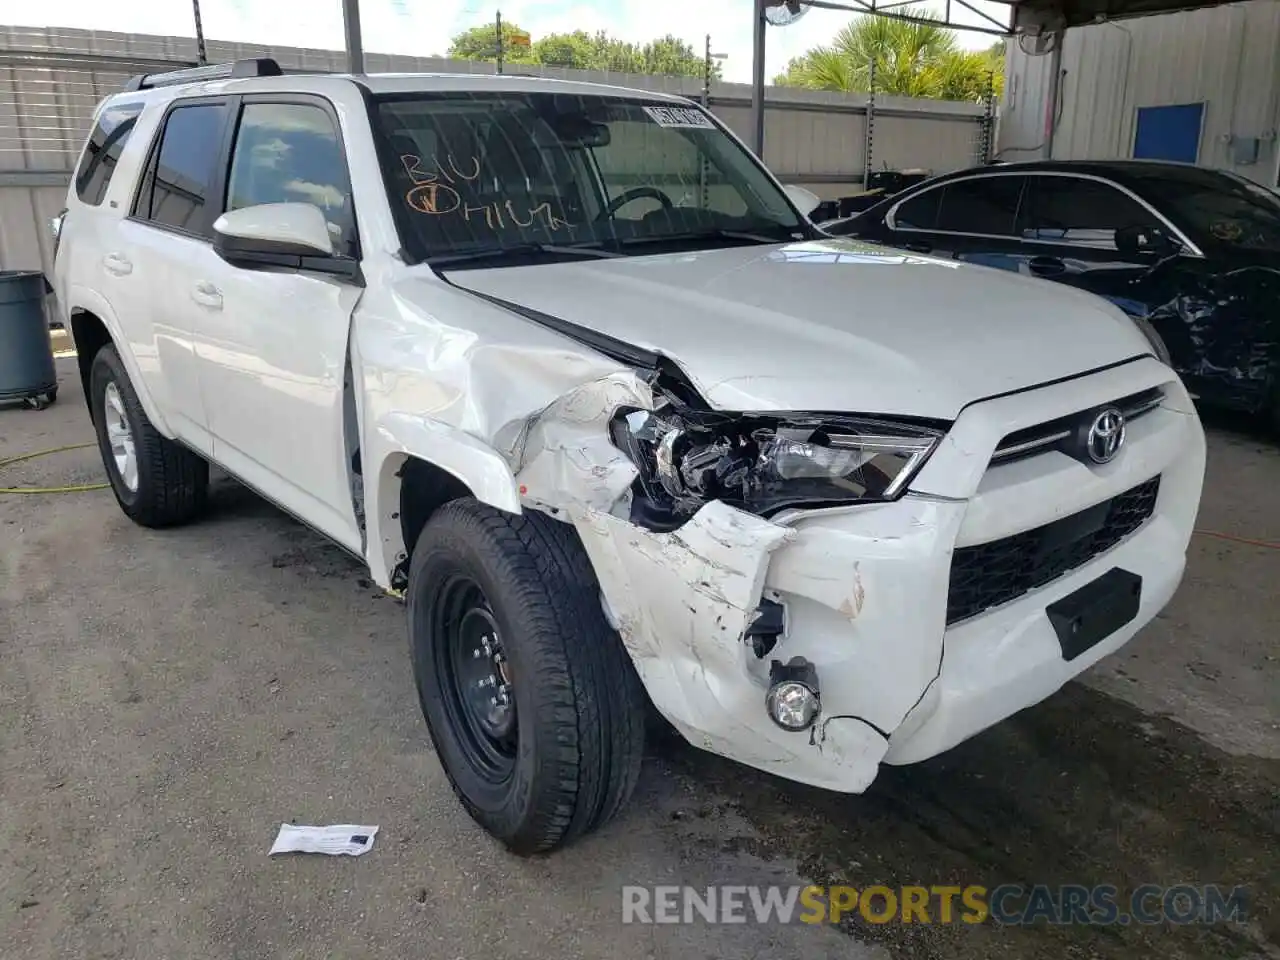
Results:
<point x="763" y="464"/>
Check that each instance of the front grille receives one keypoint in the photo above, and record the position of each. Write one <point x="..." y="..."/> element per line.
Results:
<point x="1056" y="434"/>
<point x="989" y="574"/>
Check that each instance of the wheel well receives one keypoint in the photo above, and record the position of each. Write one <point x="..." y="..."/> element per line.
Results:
<point x="90" y="335"/>
<point x="424" y="489"/>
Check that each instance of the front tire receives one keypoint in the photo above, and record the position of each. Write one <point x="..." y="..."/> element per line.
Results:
<point x="158" y="483"/>
<point x="533" y="704"/>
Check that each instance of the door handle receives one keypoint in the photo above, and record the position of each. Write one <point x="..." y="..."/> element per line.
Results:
<point x="117" y="264"/>
<point x="918" y="246"/>
<point x="207" y="295"/>
<point x="1046" y="266"/>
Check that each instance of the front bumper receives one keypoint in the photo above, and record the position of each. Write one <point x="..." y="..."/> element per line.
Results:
<point x="865" y="590"/>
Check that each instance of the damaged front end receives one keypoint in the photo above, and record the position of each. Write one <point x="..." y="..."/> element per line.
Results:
<point x="762" y="464"/>
<point x="711" y="547"/>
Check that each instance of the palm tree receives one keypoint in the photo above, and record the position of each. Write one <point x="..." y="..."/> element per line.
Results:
<point x="911" y="60"/>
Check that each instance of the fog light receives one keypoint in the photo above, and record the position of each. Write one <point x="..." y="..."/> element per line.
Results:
<point x="793" y="702"/>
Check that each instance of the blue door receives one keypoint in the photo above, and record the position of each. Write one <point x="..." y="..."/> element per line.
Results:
<point x="1169" y="133"/>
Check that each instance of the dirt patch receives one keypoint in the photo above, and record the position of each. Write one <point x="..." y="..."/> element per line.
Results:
<point x="1082" y="789"/>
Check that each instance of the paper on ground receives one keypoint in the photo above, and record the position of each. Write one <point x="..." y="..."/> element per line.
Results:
<point x="343" y="839"/>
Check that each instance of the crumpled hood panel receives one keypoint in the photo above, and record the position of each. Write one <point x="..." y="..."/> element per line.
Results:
<point x="832" y="325"/>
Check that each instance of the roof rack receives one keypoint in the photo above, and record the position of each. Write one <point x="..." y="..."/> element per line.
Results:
<point x="256" y="67"/>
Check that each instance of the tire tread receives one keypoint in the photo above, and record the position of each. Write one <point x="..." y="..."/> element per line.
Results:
<point x="584" y="681"/>
<point x="173" y="482"/>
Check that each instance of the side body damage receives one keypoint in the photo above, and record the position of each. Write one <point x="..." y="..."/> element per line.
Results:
<point x="1220" y="323"/>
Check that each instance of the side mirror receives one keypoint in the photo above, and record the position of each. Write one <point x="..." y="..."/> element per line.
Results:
<point x="806" y="200"/>
<point x="267" y="231"/>
<point x="1146" y="241"/>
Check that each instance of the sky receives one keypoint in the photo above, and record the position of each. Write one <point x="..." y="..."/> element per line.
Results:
<point x="424" y="27"/>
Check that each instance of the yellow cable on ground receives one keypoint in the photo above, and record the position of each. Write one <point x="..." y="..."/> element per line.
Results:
<point x="1267" y="544"/>
<point x="80" y="488"/>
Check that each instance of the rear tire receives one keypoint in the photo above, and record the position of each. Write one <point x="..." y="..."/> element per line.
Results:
<point x="158" y="483"/>
<point x="509" y="606"/>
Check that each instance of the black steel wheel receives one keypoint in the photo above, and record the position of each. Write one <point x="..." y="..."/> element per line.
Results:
<point x="532" y="702"/>
<point x="478" y="697"/>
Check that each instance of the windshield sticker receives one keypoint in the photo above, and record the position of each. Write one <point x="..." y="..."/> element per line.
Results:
<point x="431" y="196"/>
<point x="679" y="117"/>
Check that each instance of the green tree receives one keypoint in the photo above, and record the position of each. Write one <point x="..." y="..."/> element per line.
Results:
<point x="583" y="51"/>
<point x="575" y="50"/>
<point x="481" y="43"/>
<point x="671" y="56"/>
<point x="615" y="55"/>
<point x="911" y="60"/>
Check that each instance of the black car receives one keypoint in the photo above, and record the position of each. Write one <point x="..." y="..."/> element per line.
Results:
<point x="1194" y="253"/>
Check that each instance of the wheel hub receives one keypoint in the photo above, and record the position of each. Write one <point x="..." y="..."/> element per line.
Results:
<point x="120" y="437"/>
<point x="484" y="676"/>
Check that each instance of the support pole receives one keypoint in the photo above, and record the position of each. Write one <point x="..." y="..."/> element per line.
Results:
<point x="202" y="57"/>
<point x="706" y="75"/>
<point x="987" y="145"/>
<point x="498" y="27"/>
<point x="757" y="80"/>
<point x="869" y="153"/>
<point x="351" y="24"/>
<point x="1055" y="94"/>
<point x="704" y="170"/>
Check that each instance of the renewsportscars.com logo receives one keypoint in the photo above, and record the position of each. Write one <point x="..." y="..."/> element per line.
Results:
<point x="1010" y="904"/>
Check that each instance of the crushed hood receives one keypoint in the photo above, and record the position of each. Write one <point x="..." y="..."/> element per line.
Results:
<point x="831" y="325"/>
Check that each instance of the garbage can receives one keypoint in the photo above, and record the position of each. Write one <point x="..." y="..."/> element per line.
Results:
<point x="26" y="356"/>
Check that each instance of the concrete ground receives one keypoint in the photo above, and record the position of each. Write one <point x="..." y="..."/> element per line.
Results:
<point x="167" y="699"/>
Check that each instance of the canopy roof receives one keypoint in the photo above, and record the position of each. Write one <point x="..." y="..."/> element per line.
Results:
<point x="1010" y="16"/>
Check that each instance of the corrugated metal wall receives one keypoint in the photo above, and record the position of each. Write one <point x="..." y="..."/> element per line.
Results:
<point x="1227" y="57"/>
<point x="51" y="80"/>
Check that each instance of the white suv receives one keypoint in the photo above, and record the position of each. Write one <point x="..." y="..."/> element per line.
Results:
<point x="568" y="367"/>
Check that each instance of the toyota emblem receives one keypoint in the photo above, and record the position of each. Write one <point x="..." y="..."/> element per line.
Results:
<point x="1106" y="436"/>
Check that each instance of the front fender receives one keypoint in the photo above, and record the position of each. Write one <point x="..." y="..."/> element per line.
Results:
<point x="142" y="371"/>
<point x="394" y="438"/>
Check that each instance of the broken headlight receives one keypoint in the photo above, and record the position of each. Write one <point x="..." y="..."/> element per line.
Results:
<point x="763" y="464"/>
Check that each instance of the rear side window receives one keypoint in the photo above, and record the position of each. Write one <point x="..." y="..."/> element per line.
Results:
<point x="919" y="213"/>
<point x="986" y="205"/>
<point x="177" y="189"/>
<point x="106" y="143"/>
<point x="291" y="153"/>
<point x="1073" y="210"/>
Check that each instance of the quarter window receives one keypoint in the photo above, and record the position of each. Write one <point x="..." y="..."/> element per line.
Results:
<point x="985" y="205"/>
<point x="106" y="143"/>
<point x="178" y="188"/>
<point x="1073" y="210"/>
<point x="291" y="153"/>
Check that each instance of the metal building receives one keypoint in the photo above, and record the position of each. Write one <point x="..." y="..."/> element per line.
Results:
<point x="1200" y="86"/>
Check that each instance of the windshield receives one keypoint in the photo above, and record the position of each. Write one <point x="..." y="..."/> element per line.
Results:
<point x="1220" y="208"/>
<point x="475" y="172"/>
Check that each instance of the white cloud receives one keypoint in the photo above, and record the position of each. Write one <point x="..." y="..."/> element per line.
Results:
<point x="424" y="27"/>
